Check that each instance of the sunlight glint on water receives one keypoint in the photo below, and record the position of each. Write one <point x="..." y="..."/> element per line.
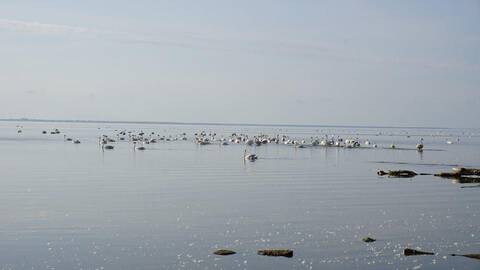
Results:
<point x="74" y="206"/>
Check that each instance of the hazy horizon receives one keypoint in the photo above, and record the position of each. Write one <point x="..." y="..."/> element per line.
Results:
<point x="33" y="120"/>
<point x="370" y="63"/>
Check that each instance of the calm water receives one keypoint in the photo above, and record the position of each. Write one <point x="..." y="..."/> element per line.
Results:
<point x="67" y="206"/>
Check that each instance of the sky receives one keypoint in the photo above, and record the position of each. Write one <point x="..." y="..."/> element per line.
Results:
<point x="381" y="63"/>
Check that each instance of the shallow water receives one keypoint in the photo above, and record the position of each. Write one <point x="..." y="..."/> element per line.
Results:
<point x="67" y="206"/>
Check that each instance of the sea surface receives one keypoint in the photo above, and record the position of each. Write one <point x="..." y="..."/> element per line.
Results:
<point x="74" y="206"/>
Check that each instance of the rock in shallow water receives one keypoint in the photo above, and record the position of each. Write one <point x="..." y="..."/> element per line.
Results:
<point x="413" y="252"/>
<point x="368" y="240"/>
<point x="472" y="256"/>
<point x="276" y="252"/>
<point x="224" y="252"/>
<point x="399" y="173"/>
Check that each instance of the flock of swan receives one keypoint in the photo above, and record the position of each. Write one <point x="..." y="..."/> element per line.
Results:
<point x="204" y="139"/>
<point x="140" y="139"/>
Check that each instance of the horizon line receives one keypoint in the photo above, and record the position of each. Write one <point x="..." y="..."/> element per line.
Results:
<point x="206" y="123"/>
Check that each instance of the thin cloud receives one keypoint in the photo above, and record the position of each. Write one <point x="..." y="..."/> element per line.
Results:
<point x="40" y="28"/>
<point x="176" y="39"/>
<point x="208" y="42"/>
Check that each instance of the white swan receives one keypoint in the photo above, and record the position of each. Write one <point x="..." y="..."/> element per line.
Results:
<point x="249" y="157"/>
<point x="420" y="145"/>
<point x="141" y="148"/>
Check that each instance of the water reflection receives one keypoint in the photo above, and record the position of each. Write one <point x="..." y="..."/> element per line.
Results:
<point x="67" y="206"/>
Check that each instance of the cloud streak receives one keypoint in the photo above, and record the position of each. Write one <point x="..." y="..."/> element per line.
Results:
<point x="40" y="28"/>
<point x="207" y="42"/>
<point x="177" y="39"/>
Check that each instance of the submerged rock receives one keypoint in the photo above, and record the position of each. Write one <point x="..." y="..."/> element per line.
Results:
<point x="448" y="175"/>
<point x="476" y="186"/>
<point x="368" y="240"/>
<point x="413" y="252"/>
<point x="224" y="252"/>
<point x="276" y="252"/>
<point x="466" y="180"/>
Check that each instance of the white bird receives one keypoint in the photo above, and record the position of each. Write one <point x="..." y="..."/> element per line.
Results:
<point x="141" y="148"/>
<point x="420" y="145"/>
<point x="249" y="157"/>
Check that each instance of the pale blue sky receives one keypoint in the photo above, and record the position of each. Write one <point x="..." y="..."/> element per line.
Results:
<point x="414" y="63"/>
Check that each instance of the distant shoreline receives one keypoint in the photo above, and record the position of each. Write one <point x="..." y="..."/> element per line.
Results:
<point x="207" y="124"/>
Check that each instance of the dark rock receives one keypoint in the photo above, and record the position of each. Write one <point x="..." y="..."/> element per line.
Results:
<point x="413" y="252"/>
<point x="368" y="240"/>
<point x="399" y="173"/>
<point x="465" y="171"/>
<point x="459" y="172"/>
<point x="276" y="252"/>
<point x="472" y="256"/>
<point x="224" y="252"/>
